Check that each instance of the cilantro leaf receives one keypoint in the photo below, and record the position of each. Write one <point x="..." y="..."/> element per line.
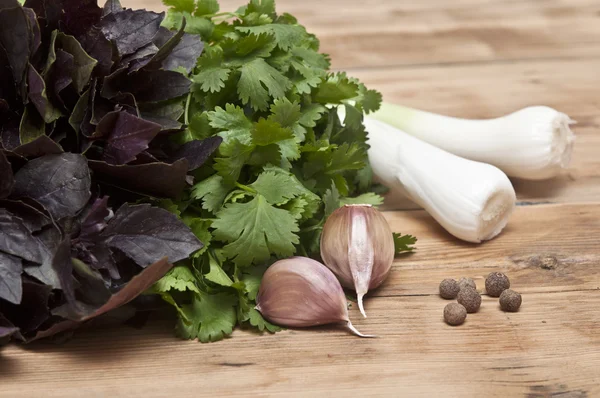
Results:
<point x="368" y="198"/>
<point x="180" y="5"/>
<point x="267" y="132"/>
<point x="211" y="317"/>
<point x="257" y="320"/>
<point x="216" y="273"/>
<point x="277" y="188"/>
<point x="255" y="76"/>
<point x="255" y="229"/>
<point x="403" y="243"/>
<point x="337" y="88"/>
<point x="332" y="200"/>
<point x="251" y="279"/>
<point x="232" y="123"/>
<point x="206" y="7"/>
<point x="179" y="278"/>
<point x="212" y="73"/>
<point x="285" y="35"/>
<point x="212" y="191"/>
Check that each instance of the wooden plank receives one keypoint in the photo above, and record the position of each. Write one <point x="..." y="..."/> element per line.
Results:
<point x="491" y="90"/>
<point x="544" y="248"/>
<point x="550" y="347"/>
<point x="389" y="32"/>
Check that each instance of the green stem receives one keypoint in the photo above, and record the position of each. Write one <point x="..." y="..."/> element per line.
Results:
<point x="313" y="228"/>
<point x="245" y="188"/>
<point x="188" y="101"/>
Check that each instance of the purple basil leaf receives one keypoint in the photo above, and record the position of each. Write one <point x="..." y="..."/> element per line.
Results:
<point x="39" y="97"/>
<point x="41" y="146"/>
<point x="32" y="125"/>
<point x="92" y="286"/>
<point x="36" y="36"/>
<point x="156" y="179"/>
<point x="34" y="219"/>
<point x="126" y="136"/>
<point x="147" y="86"/>
<point x="7" y="330"/>
<point x="6" y="176"/>
<point x="177" y="50"/>
<point x="95" y="220"/>
<point x="167" y="125"/>
<point x="146" y="234"/>
<point x="136" y="286"/>
<point x="82" y="112"/>
<point x="61" y="183"/>
<point x="50" y="238"/>
<point x="100" y="48"/>
<point x="17" y="240"/>
<point x="84" y="63"/>
<point x="15" y="38"/>
<point x="197" y="152"/>
<point x="112" y="7"/>
<point x="140" y="58"/>
<point x="33" y="310"/>
<point x="128" y="103"/>
<point x="62" y="71"/>
<point x="100" y="107"/>
<point x="11" y="288"/>
<point x="50" y="10"/>
<point x="79" y="15"/>
<point x="63" y="267"/>
<point x="131" y="30"/>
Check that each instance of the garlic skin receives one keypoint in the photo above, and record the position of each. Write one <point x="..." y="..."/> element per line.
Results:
<point x="301" y="292"/>
<point x="534" y="143"/>
<point x="473" y="201"/>
<point x="358" y="246"/>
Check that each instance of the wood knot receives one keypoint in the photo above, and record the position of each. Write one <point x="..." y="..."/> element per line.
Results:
<point x="544" y="261"/>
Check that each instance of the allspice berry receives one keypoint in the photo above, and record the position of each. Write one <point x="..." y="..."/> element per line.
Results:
<point x="510" y="301"/>
<point x="496" y="283"/>
<point x="470" y="299"/>
<point x="455" y="314"/>
<point x="464" y="282"/>
<point x="449" y="289"/>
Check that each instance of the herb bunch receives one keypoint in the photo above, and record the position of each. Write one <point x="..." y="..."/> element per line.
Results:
<point x="287" y="161"/>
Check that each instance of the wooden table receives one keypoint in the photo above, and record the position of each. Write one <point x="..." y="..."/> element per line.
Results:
<point x="471" y="58"/>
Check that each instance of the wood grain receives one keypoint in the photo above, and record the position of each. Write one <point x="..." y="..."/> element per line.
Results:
<point x="467" y="58"/>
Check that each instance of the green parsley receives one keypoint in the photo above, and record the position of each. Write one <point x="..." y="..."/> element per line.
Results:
<point x="286" y="162"/>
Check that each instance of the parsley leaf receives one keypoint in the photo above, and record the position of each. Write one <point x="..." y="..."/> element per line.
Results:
<point x="255" y="76"/>
<point x="179" y="278"/>
<point x="403" y="243"/>
<point x="255" y="229"/>
<point x="210" y="317"/>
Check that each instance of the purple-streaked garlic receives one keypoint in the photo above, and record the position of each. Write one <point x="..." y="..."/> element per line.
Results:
<point x="358" y="246"/>
<point x="301" y="292"/>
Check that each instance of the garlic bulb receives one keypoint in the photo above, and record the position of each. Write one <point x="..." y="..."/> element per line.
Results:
<point x="301" y="292"/>
<point x="358" y="246"/>
<point x="533" y="143"/>
<point x="471" y="200"/>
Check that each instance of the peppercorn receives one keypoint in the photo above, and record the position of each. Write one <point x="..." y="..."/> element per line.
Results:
<point x="510" y="301"/>
<point x="470" y="299"/>
<point x="449" y="289"/>
<point x="464" y="282"/>
<point x="455" y="314"/>
<point x="496" y="283"/>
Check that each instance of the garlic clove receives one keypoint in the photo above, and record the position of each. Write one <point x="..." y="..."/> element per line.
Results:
<point x="358" y="246"/>
<point x="301" y="292"/>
